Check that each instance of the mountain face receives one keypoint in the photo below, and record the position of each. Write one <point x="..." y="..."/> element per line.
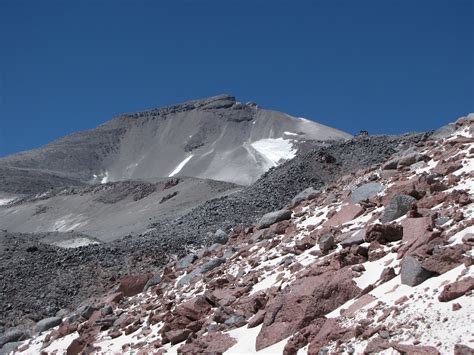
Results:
<point x="375" y="257"/>
<point x="215" y="138"/>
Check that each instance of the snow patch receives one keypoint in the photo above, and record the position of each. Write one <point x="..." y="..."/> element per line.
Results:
<point x="275" y="149"/>
<point x="290" y="133"/>
<point x="180" y="166"/>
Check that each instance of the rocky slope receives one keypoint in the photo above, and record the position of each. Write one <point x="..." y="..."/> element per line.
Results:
<point x="379" y="260"/>
<point x="215" y="138"/>
<point x="68" y="276"/>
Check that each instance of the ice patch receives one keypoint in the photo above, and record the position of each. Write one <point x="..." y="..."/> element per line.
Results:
<point x="5" y="201"/>
<point x="275" y="149"/>
<point x="105" y="179"/>
<point x="290" y="133"/>
<point x="180" y="166"/>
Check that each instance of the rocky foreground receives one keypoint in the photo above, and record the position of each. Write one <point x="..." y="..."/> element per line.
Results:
<point x="378" y="261"/>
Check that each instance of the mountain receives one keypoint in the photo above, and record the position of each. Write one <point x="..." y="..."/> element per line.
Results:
<point x="374" y="254"/>
<point x="215" y="138"/>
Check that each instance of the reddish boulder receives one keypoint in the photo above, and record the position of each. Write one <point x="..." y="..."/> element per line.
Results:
<point x="456" y="289"/>
<point x="444" y="259"/>
<point x="211" y="343"/>
<point x="194" y="309"/>
<point x="460" y="349"/>
<point x="177" y="336"/>
<point x="384" y="233"/>
<point x="304" y="300"/>
<point x="345" y="214"/>
<point x="132" y="285"/>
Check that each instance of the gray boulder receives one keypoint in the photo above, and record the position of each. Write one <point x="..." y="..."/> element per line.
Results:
<point x="326" y="242"/>
<point x="235" y="321"/>
<point x="411" y="159"/>
<point x="155" y="280"/>
<point x="355" y="239"/>
<point x="13" y="335"/>
<point x="86" y="310"/>
<point x="366" y="191"/>
<point x="412" y="273"/>
<point x="8" y="348"/>
<point x="220" y="237"/>
<point x="47" y="323"/>
<point x="398" y="206"/>
<point x="273" y="217"/>
<point x="391" y="164"/>
<point x="306" y="194"/>
<point x="186" y="261"/>
<point x="202" y="269"/>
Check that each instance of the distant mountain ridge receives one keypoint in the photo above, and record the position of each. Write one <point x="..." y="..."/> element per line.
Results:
<point x="216" y="138"/>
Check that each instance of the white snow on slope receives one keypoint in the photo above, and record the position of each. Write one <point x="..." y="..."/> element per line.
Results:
<point x="275" y="149"/>
<point x="180" y="166"/>
<point x="5" y="201"/>
<point x="290" y="133"/>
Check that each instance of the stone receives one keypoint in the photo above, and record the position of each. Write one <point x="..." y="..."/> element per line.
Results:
<point x="211" y="343"/>
<point x="384" y="233"/>
<point x="235" y="321"/>
<point x="390" y="165"/>
<point x="194" y="309"/>
<point x="202" y="269"/>
<point x="345" y="214"/>
<point x="326" y="242"/>
<point x="257" y="319"/>
<point x="186" y="262"/>
<point x="8" y="348"/>
<point x="302" y="302"/>
<point x="456" y="289"/>
<point x="86" y="310"/>
<point x="460" y="349"/>
<point x="13" y="335"/>
<point x="220" y="237"/>
<point x="177" y="336"/>
<point x="398" y="206"/>
<point x="153" y="281"/>
<point x="306" y="194"/>
<point x="356" y="238"/>
<point x="132" y="285"/>
<point x="273" y="217"/>
<point x="365" y="191"/>
<point x="412" y="273"/>
<point x="47" y="323"/>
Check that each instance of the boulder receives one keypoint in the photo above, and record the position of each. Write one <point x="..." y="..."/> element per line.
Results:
<point x="456" y="289"/>
<point x="345" y="214"/>
<point x="86" y="310"/>
<point x="412" y="273"/>
<point x="326" y="242"/>
<point x="366" y="191"/>
<point x="202" y="269"/>
<point x="194" y="309"/>
<point x="384" y="233"/>
<point x="13" y="335"/>
<point x="355" y="239"/>
<point x="410" y="159"/>
<point x="273" y="217"/>
<point x="177" y="336"/>
<point x="47" y="323"/>
<point x="302" y="302"/>
<point x="220" y="237"/>
<point x="132" y="285"/>
<point x="211" y="343"/>
<point x="398" y="206"/>
<point x="185" y="262"/>
<point x="153" y="281"/>
<point x="8" y="348"/>
<point x="306" y="194"/>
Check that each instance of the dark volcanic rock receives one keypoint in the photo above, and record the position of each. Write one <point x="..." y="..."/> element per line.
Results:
<point x="398" y="206"/>
<point x="412" y="273"/>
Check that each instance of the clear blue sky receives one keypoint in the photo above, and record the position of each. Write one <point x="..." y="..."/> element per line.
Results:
<point x="385" y="66"/>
